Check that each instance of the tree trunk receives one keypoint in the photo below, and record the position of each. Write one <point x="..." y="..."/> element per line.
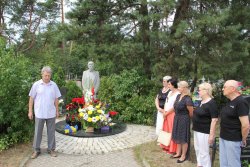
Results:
<point x="181" y="14"/>
<point x="144" y="32"/>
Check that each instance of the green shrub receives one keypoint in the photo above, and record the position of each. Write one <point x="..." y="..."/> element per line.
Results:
<point x="130" y="95"/>
<point x="72" y="91"/>
<point x="16" y="79"/>
<point x="58" y="76"/>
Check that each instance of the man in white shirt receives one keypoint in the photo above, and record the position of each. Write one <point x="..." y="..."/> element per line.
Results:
<point x="44" y="95"/>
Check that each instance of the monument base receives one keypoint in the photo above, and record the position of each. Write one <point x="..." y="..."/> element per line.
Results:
<point x="118" y="127"/>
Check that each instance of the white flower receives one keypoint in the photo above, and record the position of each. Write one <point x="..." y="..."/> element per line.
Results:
<point x="94" y="119"/>
<point x="82" y="110"/>
<point x="109" y="119"/>
<point x="102" y="118"/>
<point x="85" y="116"/>
<point x="91" y="108"/>
<point x="60" y="101"/>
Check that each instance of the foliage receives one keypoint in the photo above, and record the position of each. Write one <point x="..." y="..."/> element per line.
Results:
<point x="25" y="19"/>
<point x="245" y="163"/>
<point x="73" y="91"/>
<point x="186" y="39"/>
<point x="206" y="38"/>
<point x="130" y="95"/>
<point x="16" y="80"/>
<point x="58" y="76"/>
<point x="203" y="37"/>
<point x="246" y="91"/>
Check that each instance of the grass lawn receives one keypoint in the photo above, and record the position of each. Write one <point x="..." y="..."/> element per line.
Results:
<point x="151" y="154"/>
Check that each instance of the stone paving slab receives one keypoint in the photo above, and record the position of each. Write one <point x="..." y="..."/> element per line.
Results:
<point x="122" y="158"/>
<point x="110" y="151"/>
<point x="134" y="135"/>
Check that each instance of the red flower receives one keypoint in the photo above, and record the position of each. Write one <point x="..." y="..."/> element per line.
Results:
<point x="96" y="101"/>
<point x="78" y="100"/>
<point x="73" y="118"/>
<point x="113" y="113"/>
<point x="93" y="90"/>
<point x="70" y="106"/>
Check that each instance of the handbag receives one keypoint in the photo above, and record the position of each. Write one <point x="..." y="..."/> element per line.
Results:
<point x="164" y="138"/>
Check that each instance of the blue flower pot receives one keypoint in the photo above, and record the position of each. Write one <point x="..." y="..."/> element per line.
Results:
<point x="105" y="129"/>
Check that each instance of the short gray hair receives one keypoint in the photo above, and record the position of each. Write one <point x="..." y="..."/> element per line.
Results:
<point x="166" y="78"/>
<point x="46" y="69"/>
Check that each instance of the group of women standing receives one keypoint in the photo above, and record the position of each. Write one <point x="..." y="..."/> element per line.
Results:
<point x="175" y="113"/>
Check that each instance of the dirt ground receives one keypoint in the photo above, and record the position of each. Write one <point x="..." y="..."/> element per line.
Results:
<point x="14" y="156"/>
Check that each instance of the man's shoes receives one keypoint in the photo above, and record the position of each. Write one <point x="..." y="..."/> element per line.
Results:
<point x="52" y="153"/>
<point x="34" y="155"/>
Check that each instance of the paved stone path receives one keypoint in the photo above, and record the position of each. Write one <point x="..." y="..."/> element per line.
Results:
<point x="109" y="151"/>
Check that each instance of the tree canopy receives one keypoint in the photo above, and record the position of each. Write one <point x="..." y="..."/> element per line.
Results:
<point x="134" y="43"/>
<point x="187" y="39"/>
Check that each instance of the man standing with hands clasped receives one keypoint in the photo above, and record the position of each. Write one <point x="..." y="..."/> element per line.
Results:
<point x="234" y="126"/>
<point x="44" y="95"/>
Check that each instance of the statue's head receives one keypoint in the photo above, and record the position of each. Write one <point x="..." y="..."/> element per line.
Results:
<point x="91" y="65"/>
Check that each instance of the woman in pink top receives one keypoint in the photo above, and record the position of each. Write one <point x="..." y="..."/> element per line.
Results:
<point x="169" y="115"/>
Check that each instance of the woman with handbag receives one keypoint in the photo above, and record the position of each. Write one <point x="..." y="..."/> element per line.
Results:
<point x="169" y="114"/>
<point x="159" y="103"/>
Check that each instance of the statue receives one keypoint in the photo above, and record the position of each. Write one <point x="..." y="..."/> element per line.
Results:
<point x="90" y="82"/>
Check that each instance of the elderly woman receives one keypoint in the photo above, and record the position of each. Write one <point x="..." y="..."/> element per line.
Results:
<point x="159" y="103"/>
<point x="169" y="114"/>
<point x="181" y="130"/>
<point x="205" y="117"/>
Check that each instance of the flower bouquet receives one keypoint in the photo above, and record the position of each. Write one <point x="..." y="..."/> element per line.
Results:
<point x="89" y="115"/>
<point x="72" y="115"/>
<point x="94" y="115"/>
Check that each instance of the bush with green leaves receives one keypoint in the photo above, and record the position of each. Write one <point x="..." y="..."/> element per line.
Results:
<point x="72" y="91"/>
<point x="58" y="76"/>
<point x="16" y="80"/>
<point x="131" y="95"/>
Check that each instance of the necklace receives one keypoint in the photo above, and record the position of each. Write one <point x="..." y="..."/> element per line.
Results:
<point x="203" y="101"/>
<point x="164" y="90"/>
